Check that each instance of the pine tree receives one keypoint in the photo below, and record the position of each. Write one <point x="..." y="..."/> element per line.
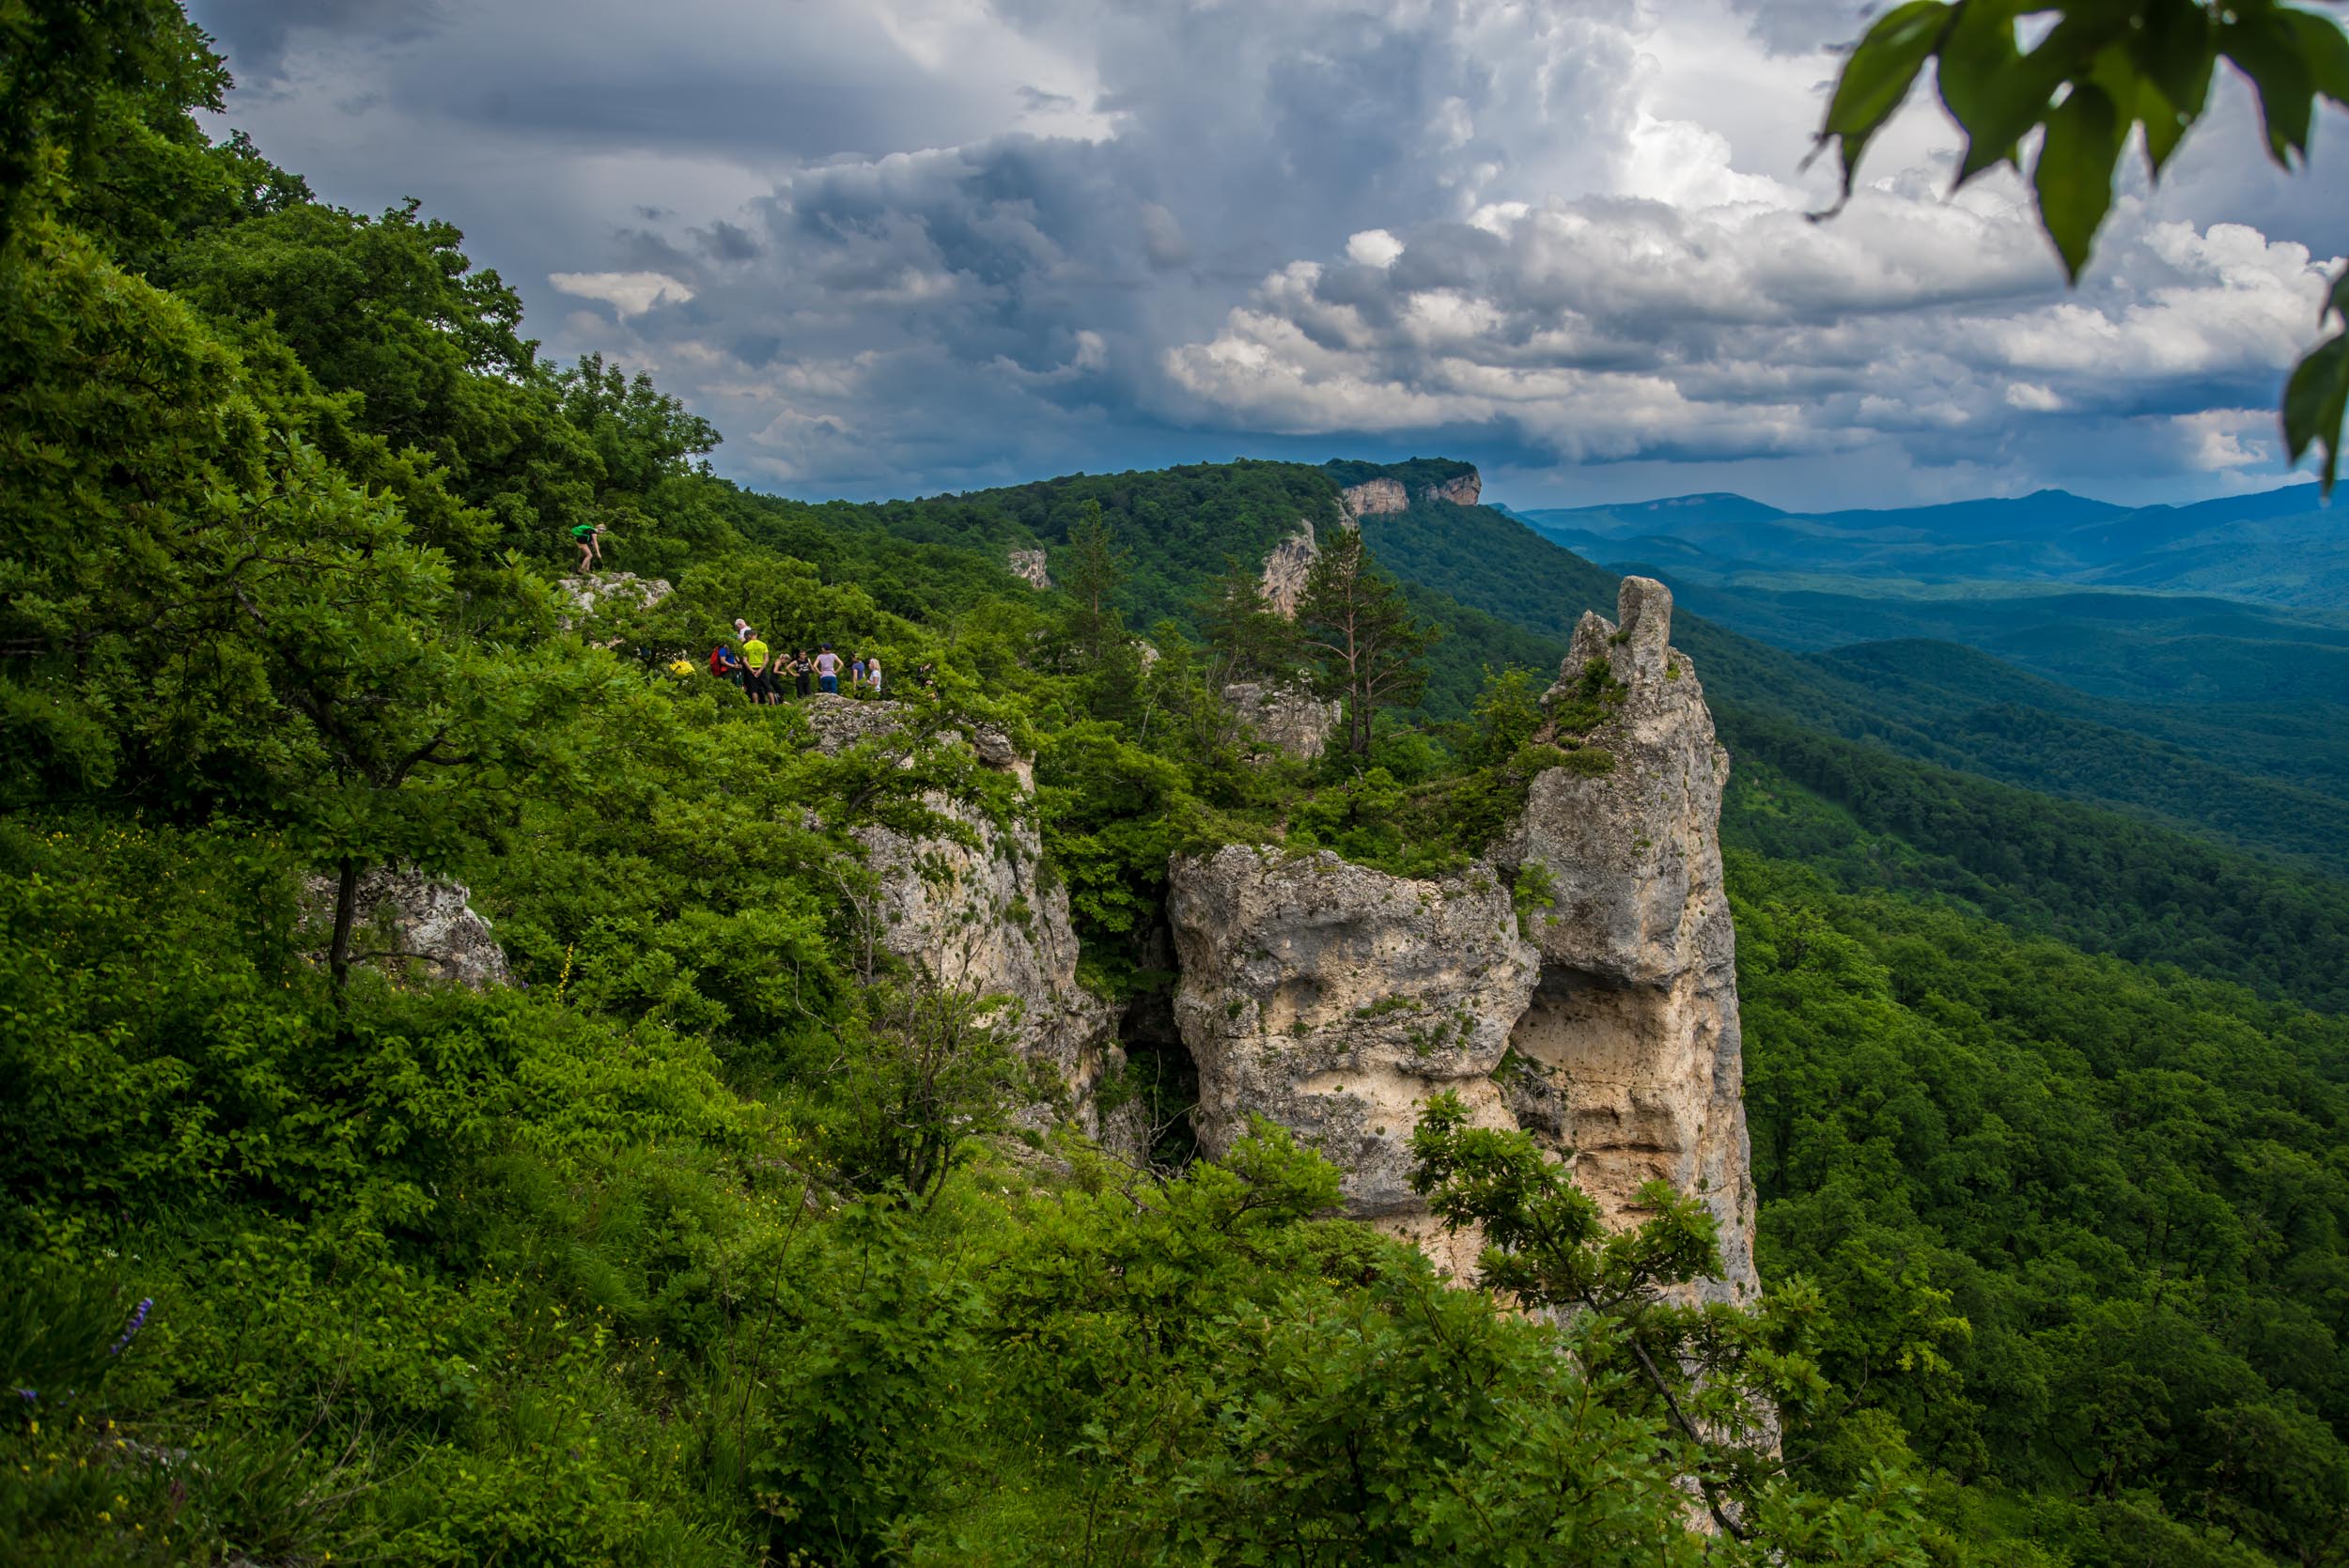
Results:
<point x="1354" y="620"/>
<point x="1095" y="568"/>
<point x="1248" y="635"/>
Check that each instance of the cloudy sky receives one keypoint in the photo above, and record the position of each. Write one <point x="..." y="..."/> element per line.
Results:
<point x="898" y="246"/>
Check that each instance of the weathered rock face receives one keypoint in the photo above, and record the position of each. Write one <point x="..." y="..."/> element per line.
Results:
<point x="613" y="587"/>
<point x="1633" y="1030"/>
<point x="409" y="925"/>
<point x="1287" y="569"/>
<point x="1335" y="1000"/>
<point x="1462" y="491"/>
<point x="1285" y="716"/>
<point x="1373" y="497"/>
<point x="1028" y="566"/>
<point x="978" y="917"/>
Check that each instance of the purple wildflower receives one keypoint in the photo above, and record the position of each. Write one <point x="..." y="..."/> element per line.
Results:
<point x="138" y="1321"/>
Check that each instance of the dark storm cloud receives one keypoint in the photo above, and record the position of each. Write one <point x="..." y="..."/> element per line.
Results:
<point x="255" y="34"/>
<point x="910" y="244"/>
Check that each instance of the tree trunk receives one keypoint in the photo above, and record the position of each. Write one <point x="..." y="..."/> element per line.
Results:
<point x="346" y="910"/>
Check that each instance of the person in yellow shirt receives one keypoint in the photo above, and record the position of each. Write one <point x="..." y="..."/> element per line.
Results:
<point x="755" y="678"/>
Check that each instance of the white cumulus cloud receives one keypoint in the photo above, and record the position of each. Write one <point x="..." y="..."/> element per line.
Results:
<point x="629" y="293"/>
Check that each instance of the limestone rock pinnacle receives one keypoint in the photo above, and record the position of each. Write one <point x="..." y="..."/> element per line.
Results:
<point x="1028" y="567"/>
<point x="1634" y="1023"/>
<point x="1335" y="1000"/>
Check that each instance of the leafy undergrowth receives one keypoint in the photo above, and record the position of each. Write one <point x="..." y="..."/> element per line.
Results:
<point x="435" y="1276"/>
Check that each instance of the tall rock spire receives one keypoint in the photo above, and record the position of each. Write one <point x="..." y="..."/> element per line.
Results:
<point x="1634" y="1021"/>
<point x="1336" y="1000"/>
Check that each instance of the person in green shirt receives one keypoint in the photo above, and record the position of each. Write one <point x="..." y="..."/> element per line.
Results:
<point x="755" y="679"/>
<point x="589" y="538"/>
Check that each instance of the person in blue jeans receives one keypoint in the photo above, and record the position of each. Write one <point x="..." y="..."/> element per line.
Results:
<point x="828" y="670"/>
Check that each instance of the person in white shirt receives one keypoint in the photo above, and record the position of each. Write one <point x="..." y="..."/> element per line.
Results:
<point x="872" y="673"/>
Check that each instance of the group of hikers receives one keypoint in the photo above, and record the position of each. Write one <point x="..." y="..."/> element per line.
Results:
<point x="748" y="662"/>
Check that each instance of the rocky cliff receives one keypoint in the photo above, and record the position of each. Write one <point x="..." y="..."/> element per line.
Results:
<point x="605" y="588"/>
<point x="978" y="917"/>
<point x="1335" y="1000"/>
<point x="1287" y="569"/>
<point x="410" y="928"/>
<point x="1285" y="716"/>
<point x="1374" y="497"/>
<point x="1462" y="491"/>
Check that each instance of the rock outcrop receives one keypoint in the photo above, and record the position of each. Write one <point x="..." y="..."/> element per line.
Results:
<point x="1633" y="1031"/>
<point x="1335" y="1000"/>
<point x="1461" y="491"/>
<point x="411" y="926"/>
<point x="1028" y="566"/>
<point x="976" y="916"/>
<point x="1285" y="716"/>
<point x="1287" y="569"/>
<point x="609" y="588"/>
<point x="1373" y="497"/>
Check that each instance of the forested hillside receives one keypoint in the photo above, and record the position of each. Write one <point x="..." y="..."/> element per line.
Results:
<point x="717" y="1237"/>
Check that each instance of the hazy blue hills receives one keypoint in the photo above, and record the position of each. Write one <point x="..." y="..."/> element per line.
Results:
<point x="2280" y="546"/>
<point x="2140" y="646"/>
<point x="2208" y="717"/>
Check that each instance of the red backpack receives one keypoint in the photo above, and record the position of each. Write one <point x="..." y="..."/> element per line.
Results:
<point x="717" y="659"/>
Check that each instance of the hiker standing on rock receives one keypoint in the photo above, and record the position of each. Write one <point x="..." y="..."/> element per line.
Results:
<point x="589" y="538"/>
<point x="801" y="667"/>
<point x="828" y="670"/>
<point x="872" y="673"/>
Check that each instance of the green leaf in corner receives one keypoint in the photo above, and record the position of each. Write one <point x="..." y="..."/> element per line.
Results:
<point x="2178" y="48"/>
<point x="2266" y="46"/>
<point x="1978" y="72"/>
<point x="2315" y="401"/>
<point x="1878" y="75"/>
<point x="2176" y="54"/>
<point x="2074" y="176"/>
<point x="1999" y="94"/>
<point x="2325" y="49"/>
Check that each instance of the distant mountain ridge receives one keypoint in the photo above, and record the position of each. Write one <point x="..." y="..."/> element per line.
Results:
<point x="2281" y="546"/>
